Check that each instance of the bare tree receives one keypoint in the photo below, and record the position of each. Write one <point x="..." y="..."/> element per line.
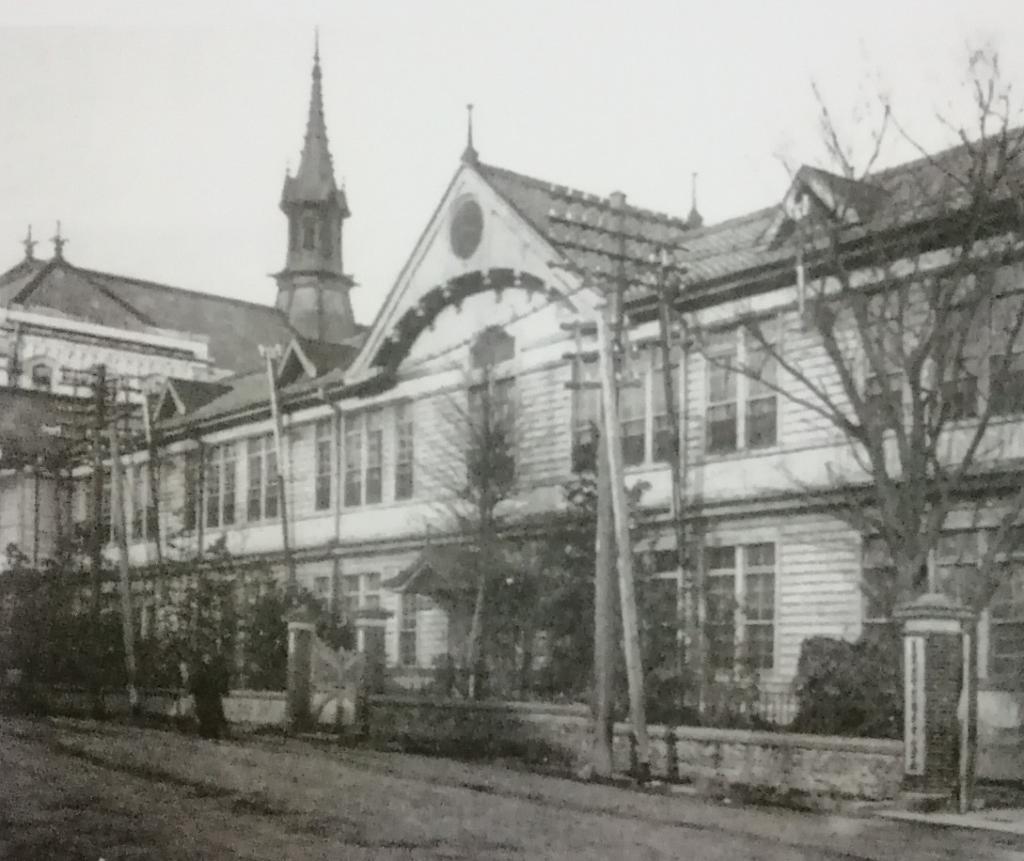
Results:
<point x="911" y="330"/>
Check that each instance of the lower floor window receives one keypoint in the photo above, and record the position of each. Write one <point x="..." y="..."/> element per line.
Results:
<point x="739" y="604"/>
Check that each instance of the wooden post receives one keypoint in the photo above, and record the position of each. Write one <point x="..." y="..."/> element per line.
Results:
<point x="269" y="354"/>
<point x="96" y="542"/>
<point x="120" y="533"/>
<point x="689" y="655"/>
<point x="620" y="511"/>
<point x="604" y="608"/>
<point x="604" y="597"/>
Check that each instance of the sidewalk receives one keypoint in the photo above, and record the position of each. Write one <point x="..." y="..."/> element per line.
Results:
<point x="1008" y="820"/>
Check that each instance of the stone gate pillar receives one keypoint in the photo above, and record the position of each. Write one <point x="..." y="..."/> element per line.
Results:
<point x="371" y="625"/>
<point x="938" y="645"/>
<point x="301" y="630"/>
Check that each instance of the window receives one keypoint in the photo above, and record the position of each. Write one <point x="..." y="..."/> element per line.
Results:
<point x="658" y="598"/>
<point x="720" y="607"/>
<point x="261" y="496"/>
<point x="322" y="588"/>
<point x="309" y="233"/>
<point x="1006" y="632"/>
<point x="1006" y="383"/>
<point x="632" y="420"/>
<point x="360" y="592"/>
<point x="879" y="582"/>
<point x="364" y="458"/>
<point x="354" y="460"/>
<point x="761" y="400"/>
<point x="664" y="446"/>
<point x="220" y="485"/>
<point x="740" y="605"/>
<point x="404" y="452"/>
<point x="883" y="397"/>
<point x="586" y="417"/>
<point x="407" y="630"/>
<point x="144" y="522"/>
<point x="759" y="604"/>
<point x="323" y="442"/>
<point x="742" y="405"/>
<point x="193" y="490"/>
<point x="374" y="480"/>
<point x="492" y="454"/>
<point x="42" y="377"/>
<point x="722" y="414"/>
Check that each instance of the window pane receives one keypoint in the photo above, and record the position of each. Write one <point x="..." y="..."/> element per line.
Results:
<point x="270" y="459"/>
<point x="721" y="429"/>
<point x="761" y="423"/>
<point x="354" y="460"/>
<point x="228" y="467"/>
<point x="322" y="481"/>
<point x="1006" y="384"/>
<point x="403" y="452"/>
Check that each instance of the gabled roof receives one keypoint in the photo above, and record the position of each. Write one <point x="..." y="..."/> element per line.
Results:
<point x="235" y="328"/>
<point x="439" y="569"/>
<point x="599" y="235"/>
<point x="312" y="359"/>
<point x="183" y="397"/>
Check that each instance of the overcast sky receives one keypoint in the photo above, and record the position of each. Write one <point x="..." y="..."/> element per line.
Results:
<point x="159" y="133"/>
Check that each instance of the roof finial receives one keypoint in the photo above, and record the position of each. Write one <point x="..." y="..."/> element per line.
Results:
<point x="30" y="244"/>
<point x="694" y="219"/>
<point x="469" y="154"/>
<point x="59" y="242"/>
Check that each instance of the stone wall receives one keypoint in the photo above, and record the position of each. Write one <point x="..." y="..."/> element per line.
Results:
<point x="559" y="737"/>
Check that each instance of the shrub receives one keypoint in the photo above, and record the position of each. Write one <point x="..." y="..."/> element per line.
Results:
<point x="851" y="689"/>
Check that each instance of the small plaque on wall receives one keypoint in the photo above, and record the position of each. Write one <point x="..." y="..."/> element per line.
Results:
<point x="913" y="706"/>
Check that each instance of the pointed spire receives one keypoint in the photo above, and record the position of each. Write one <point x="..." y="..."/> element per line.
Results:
<point x="469" y="154"/>
<point x="59" y="242"/>
<point x="694" y="219"/>
<point x="314" y="179"/>
<point x="29" y="244"/>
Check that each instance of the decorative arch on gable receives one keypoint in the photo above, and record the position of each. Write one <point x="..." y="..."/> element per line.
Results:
<point x="453" y="293"/>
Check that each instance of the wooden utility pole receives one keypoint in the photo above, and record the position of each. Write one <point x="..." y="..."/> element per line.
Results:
<point x="627" y="593"/>
<point x="689" y="655"/>
<point x="96" y="542"/>
<point x="270" y="354"/>
<point x="153" y="479"/>
<point x="604" y="572"/>
<point x="120" y="534"/>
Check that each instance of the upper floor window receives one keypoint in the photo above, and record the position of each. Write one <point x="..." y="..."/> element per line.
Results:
<point x="404" y="451"/>
<point x="323" y="445"/>
<point x="741" y="399"/>
<point x="364" y="458"/>
<point x="262" y="493"/>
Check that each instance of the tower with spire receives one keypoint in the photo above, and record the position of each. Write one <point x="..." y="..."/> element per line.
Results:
<point x="313" y="289"/>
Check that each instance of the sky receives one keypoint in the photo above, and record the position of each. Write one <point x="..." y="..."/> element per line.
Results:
<point x="159" y="133"/>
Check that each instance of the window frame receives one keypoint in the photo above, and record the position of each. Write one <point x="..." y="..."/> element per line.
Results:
<point x="323" y="462"/>
<point x="736" y="650"/>
<point x="405" y="451"/>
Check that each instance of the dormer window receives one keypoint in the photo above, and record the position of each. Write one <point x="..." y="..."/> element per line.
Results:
<point x="42" y="377"/>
